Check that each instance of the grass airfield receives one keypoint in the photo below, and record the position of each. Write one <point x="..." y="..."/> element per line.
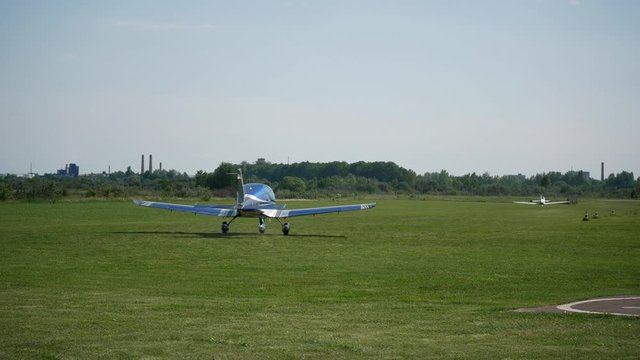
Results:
<point x="434" y="278"/>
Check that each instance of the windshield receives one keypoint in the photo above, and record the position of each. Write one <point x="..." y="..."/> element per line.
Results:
<point x="261" y="191"/>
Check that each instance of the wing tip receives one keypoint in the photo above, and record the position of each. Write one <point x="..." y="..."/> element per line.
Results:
<point x="368" y="206"/>
<point x="141" y="202"/>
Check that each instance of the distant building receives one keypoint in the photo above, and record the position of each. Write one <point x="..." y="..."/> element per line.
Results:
<point x="69" y="170"/>
<point x="74" y="170"/>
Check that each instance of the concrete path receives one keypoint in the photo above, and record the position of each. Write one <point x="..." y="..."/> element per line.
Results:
<point x="625" y="305"/>
<point x="615" y="305"/>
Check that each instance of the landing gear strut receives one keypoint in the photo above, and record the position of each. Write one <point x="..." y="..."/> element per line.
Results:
<point x="262" y="226"/>
<point x="225" y="226"/>
<point x="285" y="227"/>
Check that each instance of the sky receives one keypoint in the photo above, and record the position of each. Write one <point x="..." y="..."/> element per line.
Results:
<point x="498" y="87"/>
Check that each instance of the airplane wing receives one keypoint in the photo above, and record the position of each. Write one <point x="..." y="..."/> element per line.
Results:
<point x="213" y="210"/>
<point x="526" y="202"/>
<point x="557" y="202"/>
<point x="281" y="213"/>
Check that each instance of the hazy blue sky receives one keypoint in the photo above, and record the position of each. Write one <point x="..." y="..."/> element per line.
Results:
<point x="503" y="87"/>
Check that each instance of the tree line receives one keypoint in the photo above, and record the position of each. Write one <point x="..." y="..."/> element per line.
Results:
<point x="315" y="180"/>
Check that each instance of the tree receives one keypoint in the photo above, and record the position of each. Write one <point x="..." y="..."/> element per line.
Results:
<point x="222" y="177"/>
<point x="293" y="184"/>
<point x="201" y="178"/>
<point x="623" y="180"/>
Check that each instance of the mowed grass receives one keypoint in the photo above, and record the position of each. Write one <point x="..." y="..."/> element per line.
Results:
<point x="408" y="279"/>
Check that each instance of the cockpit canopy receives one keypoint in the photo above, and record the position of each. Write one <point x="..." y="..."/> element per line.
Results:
<point x="259" y="192"/>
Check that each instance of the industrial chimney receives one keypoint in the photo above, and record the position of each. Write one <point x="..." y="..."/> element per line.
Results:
<point x="142" y="166"/>
<point x="602" y="171"/>
<point x="150" y="163"/>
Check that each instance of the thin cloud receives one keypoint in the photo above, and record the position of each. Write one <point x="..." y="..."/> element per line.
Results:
<point x="67" y="57"/>
<point x="154" y="26"/>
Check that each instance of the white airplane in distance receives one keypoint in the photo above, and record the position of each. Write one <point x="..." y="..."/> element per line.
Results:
<point x="253" y="200"/>
<point x="541" y="201"/>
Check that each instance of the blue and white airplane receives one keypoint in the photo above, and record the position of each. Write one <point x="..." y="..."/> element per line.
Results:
<point x="542" y="201"/>
<point x="253" y="200"/>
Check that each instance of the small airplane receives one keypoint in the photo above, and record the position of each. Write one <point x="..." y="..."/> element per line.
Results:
<point x="253" y="200"/>
<point x="541" y="201"/>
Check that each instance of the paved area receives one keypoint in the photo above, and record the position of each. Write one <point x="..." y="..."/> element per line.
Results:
<point x="627" y="306"/>
<point x="615" y="305"/>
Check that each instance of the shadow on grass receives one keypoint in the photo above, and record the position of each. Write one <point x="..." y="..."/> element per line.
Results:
<point x="223" y="236"/>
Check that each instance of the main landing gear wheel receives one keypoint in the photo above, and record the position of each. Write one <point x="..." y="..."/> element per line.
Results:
<point x="262" y="227"/>
<point x="225" y="227"/>
<point x="285" y="228"/>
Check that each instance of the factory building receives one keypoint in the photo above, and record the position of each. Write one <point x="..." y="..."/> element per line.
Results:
<point x="142" y="168"/>
<point x="69" y="170"/>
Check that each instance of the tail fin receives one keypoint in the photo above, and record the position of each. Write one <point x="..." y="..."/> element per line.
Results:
<point x="240" y="188"/>
<point x="240" y="193"/>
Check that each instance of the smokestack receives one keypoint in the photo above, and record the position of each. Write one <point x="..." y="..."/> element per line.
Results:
<point x="142" y="166"/>
<point x="161" y="166"/>
<point x="602" y="171"/>
<point x="150" y="163"/>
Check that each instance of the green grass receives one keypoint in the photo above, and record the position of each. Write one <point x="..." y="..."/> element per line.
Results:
<point x="408" y="279"/>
